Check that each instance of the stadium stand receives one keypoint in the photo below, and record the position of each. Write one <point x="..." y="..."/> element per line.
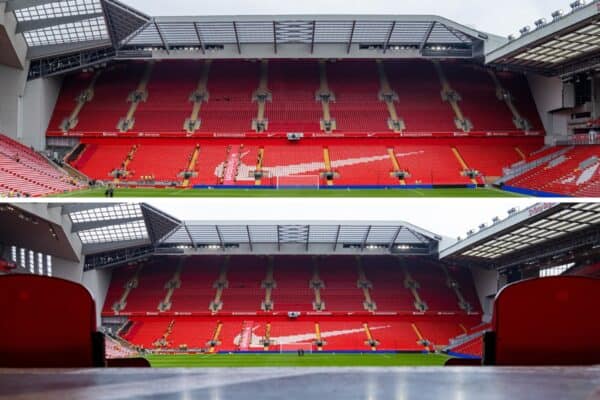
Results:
<point x="25" y="173"/>
<point x="545" y="306"/>
<point x="575" y="173"/>
<point x="255" y="295"/>
<point x="353" y="162"/>
<point x="291" y="104"/>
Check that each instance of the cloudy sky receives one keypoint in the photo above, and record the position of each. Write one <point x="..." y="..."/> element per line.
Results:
<point x="448" y="217"/>
<point x="499" y="17"/>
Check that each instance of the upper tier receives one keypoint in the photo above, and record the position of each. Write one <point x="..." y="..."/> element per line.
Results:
<point x="230" y="104"/>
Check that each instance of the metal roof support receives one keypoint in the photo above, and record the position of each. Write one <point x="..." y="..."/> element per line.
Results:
<point x="312" y="40"/>
<point x="307" y="236"/>
<point x="36" y="24"/>
<point x="237" y="38"/>
<point x="337" y="237"/>
<point x="162" y="37"/>
<point x="275" y="37"/>
<point x="426" y="38"/>
<point x="220" y="237"/>
<point x="187" y="230"/>
<point x="249" y="237"/>
<point x="395" y="237"/>
<point x="278" y="238"/>
<point x="14" y="5"/>
<point x="389" y="37"/>
<point x="364" y="242"/>
<point x="351" y="37"/>
<point x="199" y="35"/>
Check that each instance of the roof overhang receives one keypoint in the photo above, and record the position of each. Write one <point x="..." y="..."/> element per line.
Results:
<point x="528" y="234"/>
<point x="556" y="48"/>
<point x="299" y="237"/>
<point x="39" y="228"/>
<point x="63" y="36"/>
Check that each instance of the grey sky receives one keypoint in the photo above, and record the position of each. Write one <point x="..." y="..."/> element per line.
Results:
<point x="448" y="217"/>
<point x="498" y="17"/>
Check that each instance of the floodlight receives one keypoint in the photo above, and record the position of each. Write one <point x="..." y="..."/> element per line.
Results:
<point x="524" y="30"/>
<point x="557" y="14"/>
<point x="540" y="22"/>
<point x="577" y="4"/>
<point x="511" y="37"/>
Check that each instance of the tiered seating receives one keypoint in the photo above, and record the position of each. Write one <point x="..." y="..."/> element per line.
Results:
<point x="109" y="105"/>
<point x="473" y="347"/>
<point x="119" y="279"/>
<point x="292" y="275"/>
<point x="290" y="159"/>
<point x="340" y="278"/>
<point x="98" y="161"/>
<point x="357" y="107"/>
<point x="293" y="86"/>
<point x="245" y="275"/>
<point x="168" y="103"/>
<point x="151" y="288"/>
<point x="518" y="87"/>
<point x="71" y="89"/>
<point x="433" y="288"/>
<point x="479" y="102"/>
<point x="197" y="279"/>
<point x="419" y="94"/>
<point x="162" y="163"/>
<point x="387" y="278"/>
<point x="439" y="333"/>
<point x="23" y="172"/>
<point x="562" y="175"/>
<point x="489" y="160"/>
<point x="230" y="107"/>
<point x="362" y="165"/>
<point x="430" y="164"/>
<point x="144" y="332"/>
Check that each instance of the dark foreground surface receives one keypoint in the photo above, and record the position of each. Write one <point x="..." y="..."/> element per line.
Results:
<point x="305" y="383"/>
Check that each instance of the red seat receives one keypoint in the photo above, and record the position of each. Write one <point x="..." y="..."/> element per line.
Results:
<point x="548" y="321"/>
<point x="48" y="323"/>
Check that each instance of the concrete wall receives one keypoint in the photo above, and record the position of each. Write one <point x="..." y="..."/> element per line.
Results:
<point x="97" y="282"/>
<point x="38" y="104"/>
<point x="487" y="285"/>
<point x="548" y="95"/>
<point x="26" y="106"/>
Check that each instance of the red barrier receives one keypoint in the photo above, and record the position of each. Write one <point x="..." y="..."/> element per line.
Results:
<point x="47" y="323"/>
<point x="548" y="321"/>
<point x="249" y="135"/>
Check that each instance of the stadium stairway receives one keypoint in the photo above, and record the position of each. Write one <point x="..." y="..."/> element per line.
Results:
<point x="453" y="98"/>
<point x="139" y="95"/>
<point x="389" y="97"/>
<point x="171" y="286"/>
<point x="261" y="96"/>
<point x="325" y="96"/>
<point x="84" y="97"/>
<point x="357" y="107"/>
<point x="197" y="98"/>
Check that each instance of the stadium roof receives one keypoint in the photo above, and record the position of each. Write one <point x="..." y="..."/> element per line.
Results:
<point x="524" y="234"/>
<point x="64" y="35"/>
<point x="569" y="43"/>
<point x="320" y="237"/>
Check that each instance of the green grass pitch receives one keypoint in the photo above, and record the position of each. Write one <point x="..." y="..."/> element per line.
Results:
<point x="293" y="360"/>
<point x="289" y="193"/>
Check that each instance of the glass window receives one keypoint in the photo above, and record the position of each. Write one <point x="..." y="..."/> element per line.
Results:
<point x="31" y="257"/>
<point x="49" y="265"/>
